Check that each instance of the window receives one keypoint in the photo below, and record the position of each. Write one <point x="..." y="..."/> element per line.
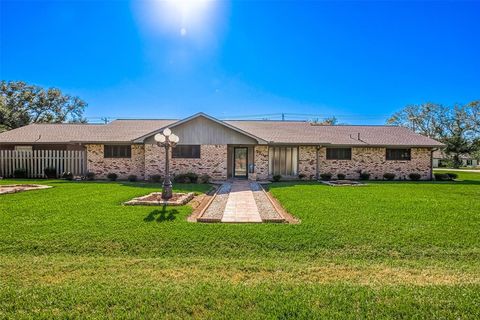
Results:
<point x="117" y="151"/>
<point x="283" y="161"/>
<point x="339" y="153"/>
<point x="398" y="154"/>
<point x="186" y="151"/>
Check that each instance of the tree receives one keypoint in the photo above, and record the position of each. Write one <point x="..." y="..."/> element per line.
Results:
<point x="424" y="119"/>
<point x="22" y="104"/>
<point x="330" y="121"/>
<point x="456" y="126"/>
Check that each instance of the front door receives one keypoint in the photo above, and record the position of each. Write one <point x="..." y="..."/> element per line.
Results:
<point x="240" y="162"/>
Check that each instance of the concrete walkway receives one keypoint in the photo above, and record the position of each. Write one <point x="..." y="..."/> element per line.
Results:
<point x="241" y="205"/>
<point x="458" y="170"/>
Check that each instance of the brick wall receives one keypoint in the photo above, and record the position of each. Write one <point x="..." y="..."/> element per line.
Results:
<point x="122" y="166"/>
<point x="307" y="161"/>
<point x="213" y="161"/>
<point x="261" y="162"/>
<point x="372" y="160"/>
<point x="149" y="159"/>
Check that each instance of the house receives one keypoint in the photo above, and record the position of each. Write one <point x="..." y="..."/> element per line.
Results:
<point x="236" y="148"/>
<point x="442" y="159"/>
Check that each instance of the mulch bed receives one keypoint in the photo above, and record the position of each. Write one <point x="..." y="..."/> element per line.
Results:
<point x="343" y="183"/>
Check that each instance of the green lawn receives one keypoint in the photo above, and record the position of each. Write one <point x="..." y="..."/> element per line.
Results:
<point x="386" y="250"/>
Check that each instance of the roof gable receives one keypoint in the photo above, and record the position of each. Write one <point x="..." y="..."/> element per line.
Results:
<point x="200" y="128"/>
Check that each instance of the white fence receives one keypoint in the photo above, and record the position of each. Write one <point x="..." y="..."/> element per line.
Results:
<point x="36" y="161"/>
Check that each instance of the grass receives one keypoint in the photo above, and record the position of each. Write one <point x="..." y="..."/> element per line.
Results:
<point x="386" y="250"/>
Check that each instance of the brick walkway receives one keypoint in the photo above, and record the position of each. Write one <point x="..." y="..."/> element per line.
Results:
<point x="241" y="201"/>
<point x="241" y="205"/>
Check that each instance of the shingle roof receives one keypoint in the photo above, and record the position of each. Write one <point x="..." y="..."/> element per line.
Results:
<point x="279" y="132"/>
<point x="115" y="131"/>
<point x="304" y="132"/>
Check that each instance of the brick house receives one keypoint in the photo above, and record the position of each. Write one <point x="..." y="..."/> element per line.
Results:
<point x="225" y="149"/>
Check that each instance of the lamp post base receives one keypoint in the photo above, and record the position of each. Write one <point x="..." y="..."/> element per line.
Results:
<point x="167" y="189"/>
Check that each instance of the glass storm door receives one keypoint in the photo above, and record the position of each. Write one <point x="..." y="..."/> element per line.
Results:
<point x="240" y="162"/>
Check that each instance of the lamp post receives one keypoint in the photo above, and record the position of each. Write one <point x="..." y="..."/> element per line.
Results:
<point x="167" y="140"/>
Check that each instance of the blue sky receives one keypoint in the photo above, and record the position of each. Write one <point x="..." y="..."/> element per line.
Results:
<point x="360" y="61"/>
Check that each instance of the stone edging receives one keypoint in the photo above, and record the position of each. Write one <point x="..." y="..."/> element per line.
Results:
<point x="16" y="188"/>
<point x="281" y="211"/>
<point x="200" y="217"/>
<point x="204" y="204"/>
<point x="184" y="199"/>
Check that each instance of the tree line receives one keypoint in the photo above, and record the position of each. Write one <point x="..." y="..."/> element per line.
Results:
<point x="457" y="126"/>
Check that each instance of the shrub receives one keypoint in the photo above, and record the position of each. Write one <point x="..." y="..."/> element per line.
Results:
<point x="414" y="176"/>
<point x="389" y="176"/>
<point x="325" y="176"/>
<point x="302" y="176"/>
<point x="90" y="175"/>
<point x="186" y="178"/>
<point x="112" y="176"/>
<point x="50" y="172"/>
<point x="441" y="176"/>
<point x="364" y="176"/>
<point x="452" y="175"/>
<point x="204" y="178"/>
<point x="340" y="176"/>
<point x="156" y="178"/>
<point x="277" y="177"/>
<point x="67" y="175"/>
<point x="181" y="178"/>
<point x="132" y="178"/>
<point x="193" y="177"/>
<point x="20" y="173"/>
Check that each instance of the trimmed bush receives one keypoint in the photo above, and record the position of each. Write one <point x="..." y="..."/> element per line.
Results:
<point x="389" y="176"/>
<point x="20" y="173"/>
<point x="441" y="177"/>
<point x="188" y="177"/>
<point x="67" y="175"/>
<point x="193" y="177"/>
<point x="50" y="172"/>
<point x="364" y="176"/>
<point x="90" y="175"/>
<point x="452" y="175"/>
<point x="132" y="178"/>
<point x="156" y="178"/>
<point x="340" y="176"/>
<point x="414" y="176"/>
<point x="112" y="176"/>
<point x="204" y="178"/>
<point x="326" y="176"/>
<point x="302" y="176"/>
<point x="277" y="178"/>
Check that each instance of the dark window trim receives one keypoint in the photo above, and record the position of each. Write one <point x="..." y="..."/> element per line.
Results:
<point x="330" y="156"/>
<point x="194" y="154"/>
<point x="388" y="154"/>
<point x="113" y="151"/>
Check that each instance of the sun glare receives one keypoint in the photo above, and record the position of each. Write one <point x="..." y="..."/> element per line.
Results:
<point x="180" y="17"/>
